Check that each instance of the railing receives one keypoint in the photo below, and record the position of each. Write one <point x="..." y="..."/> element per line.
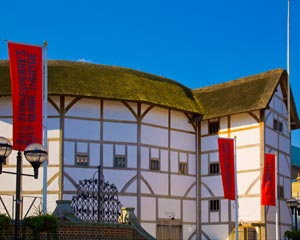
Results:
<point x="96" y="202"/>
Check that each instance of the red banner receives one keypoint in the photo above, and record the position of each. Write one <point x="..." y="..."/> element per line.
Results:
<point x="27" y="94"/>
<point x="268" y="182"/>
<point x="226" y="156"/>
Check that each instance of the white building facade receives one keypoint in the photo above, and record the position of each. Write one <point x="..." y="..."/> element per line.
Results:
<point x="163" y="158"/>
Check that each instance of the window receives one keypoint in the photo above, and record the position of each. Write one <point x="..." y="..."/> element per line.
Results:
<point x="120" y="161"/>
<point x="213" y="127"/>
<point x="183" y="168"/>
<point x="280" y="192"/>
<point x="154" y="164"/>
<point x="214" y="205"/>
<point x="214" y="168"/>
<point x="82" y="159"/>
<point x="277" y="125"/>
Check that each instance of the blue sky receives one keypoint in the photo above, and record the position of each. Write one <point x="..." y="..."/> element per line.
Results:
<point x="196" y="43"/>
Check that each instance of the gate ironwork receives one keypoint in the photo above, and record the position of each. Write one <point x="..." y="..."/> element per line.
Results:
<point x="96" y="202"/>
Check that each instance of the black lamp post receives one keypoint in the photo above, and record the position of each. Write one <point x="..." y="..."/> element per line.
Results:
<point x="35" y="154"/>
<point x="293" y="205"/>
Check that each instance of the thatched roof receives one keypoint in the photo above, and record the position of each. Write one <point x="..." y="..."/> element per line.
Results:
<point x="117" y="83"/>
<point x="110" y="82"/>
<point x="244" y="95"/>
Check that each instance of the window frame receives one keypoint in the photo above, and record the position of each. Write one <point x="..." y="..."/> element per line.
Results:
<point x="82" y="159"/>
<point x="154" y="164"/>
<point x="277" y="125"/>
<point x="213" y="166"/>
<point x="213" y="126"/>
<point x="214" y="205"/>
<point x="185" y="167"/>
<point x="117" y="163"/>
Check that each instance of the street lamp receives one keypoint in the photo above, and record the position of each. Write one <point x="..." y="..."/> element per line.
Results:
<point x="36" y="154"/>
<point x="293" y="205"/>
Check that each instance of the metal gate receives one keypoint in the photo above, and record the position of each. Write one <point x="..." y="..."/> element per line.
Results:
<point x="96" y="202"/>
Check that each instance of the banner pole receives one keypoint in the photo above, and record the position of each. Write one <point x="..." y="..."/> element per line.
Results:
<point x="276" y="195"/>
<point x="45" y="118"/>
<point x="236" y="195"/>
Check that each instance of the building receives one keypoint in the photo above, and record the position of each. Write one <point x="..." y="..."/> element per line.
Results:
<point x="295" y="162"/>
<point x="157" y="142"/>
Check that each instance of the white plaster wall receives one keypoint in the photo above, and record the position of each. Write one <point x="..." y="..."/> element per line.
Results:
<point x="53" y="128"/>
<point x="154" y="136"/>
<point x="224" y="210"/>
<point x="164" y="160"/>
<point x="6" y="106"/>
<point x="204" y="127"/>
<point x="169" y="207"/>
<point x="247" y="137"/>
<point x="180" y="184"/>
<point x="174" y="162"/>
<point x="189" y="231"/>
<point x="117" y="111"/>
<point x="82" y="129"/>
<point x="158" y="181"/>
<point x="53" y="152"/>
<point x="52" y="111"/>
<point x="108" y="155"/>
<point x="118" y="177"/>
<point x="180" y="121"/>
<point x="214" y="217"/>
<point x="182" y="140"/>
<point x="248" y="213"/>
<point x="244" y="120"/>
<point x="150" y="228"/>
<point x="132" y="157"/>
<point x="157" y="116"/>
<point x="188" y="213"/>
<point x="209" y="143"/>
<point x="94" y="154"/>
<point x="204" y="211"/>
<point x="204" y="164"/>
<point x="6" y="128"/>
<point x="69" y="153"/>
<point x="30" y="183"/>
<point x="85" y="108"/>
<point x="214" y="184"/>
<point x="145" y="157"/>
<point x="148" y="208"/>
<point x="128" y="201"/>
<point x="215" y="232"/>
<point x="119" y="132"/>
<point x="284" y="144"/>
<point x="145" y="188"/>
<point x="248" y="181"/>
<point x="248" y="158"/>
<point x="192" y="164"/>
<point x="223" y="124"/>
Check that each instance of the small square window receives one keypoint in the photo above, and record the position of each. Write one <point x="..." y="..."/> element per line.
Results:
<point x="277" y="125"/>
<point x="154" y="164"/>
<point x="120" y="161"/>
<point x="213" y="127"/>
<point x="183" y="168"/>
<point x="214" y="168"/>
<point x="214" y="205"/>
<point x="280" y="193"/>
<point x="82" y="159"/>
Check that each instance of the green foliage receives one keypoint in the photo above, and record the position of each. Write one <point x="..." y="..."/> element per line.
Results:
<point x="5" y="223"/>
<point x="41" y="223"/>
<point x="292" y="234"/>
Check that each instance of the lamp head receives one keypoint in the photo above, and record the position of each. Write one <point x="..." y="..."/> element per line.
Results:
<point x="5" y="150"/>
<point x="36" y="154"/>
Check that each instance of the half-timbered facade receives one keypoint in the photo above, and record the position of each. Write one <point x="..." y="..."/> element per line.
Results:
<point x="156" y="140"/>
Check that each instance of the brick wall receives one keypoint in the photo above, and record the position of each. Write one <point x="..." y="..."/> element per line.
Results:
<point x="79" y="231"/>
